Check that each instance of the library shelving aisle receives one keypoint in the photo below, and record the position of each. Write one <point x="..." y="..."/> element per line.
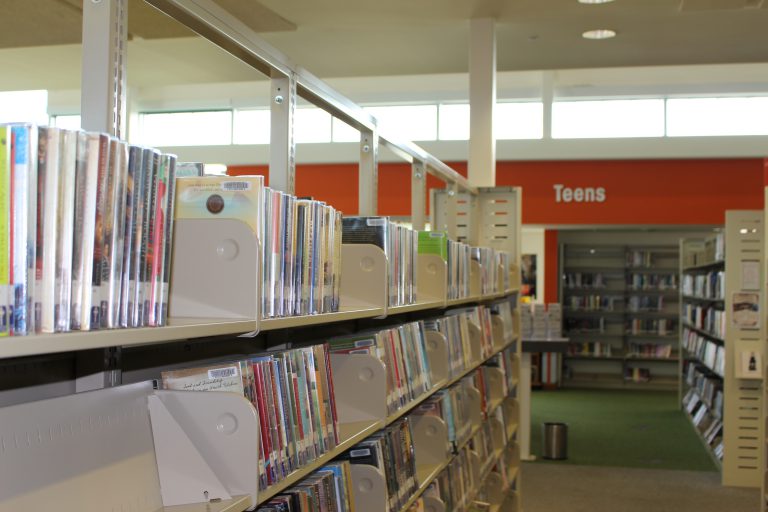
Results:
<point x="620" y="313"/>
<point x="84" y="428"/>
<point x="702" y="338"/>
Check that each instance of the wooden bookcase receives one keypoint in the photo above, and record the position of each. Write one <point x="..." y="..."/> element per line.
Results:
<point x="620" y="313"/>
<point x="81" y="407"/>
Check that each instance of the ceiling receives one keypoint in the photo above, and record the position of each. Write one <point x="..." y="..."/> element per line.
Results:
<point x="347" y="38"/>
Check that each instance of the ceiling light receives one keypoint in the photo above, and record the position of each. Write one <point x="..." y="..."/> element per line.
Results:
<point x="601" y="33"/>
<point x="594" y="1"/>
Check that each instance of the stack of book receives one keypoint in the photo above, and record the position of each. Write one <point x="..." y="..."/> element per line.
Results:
<point x="302" y="256"/>
<point x="639" y="259"/>
<point x="391" y="451"/>
<point x="329" y="489"/>
<point x="293" y="394"/>
<point x="659" y="327"/>
<point x="554" y="319"/>
<point x="584" y="280"/>
<point x="707" y="318"/>
<point x="707" y="286"/>
<point x="402" y="350"/>
<point x="86" y="222"/>
<point x="651" y="350"/>
<point x="595" y="302"/>
<point x="642" y="303"/>
<point x="401" y="246"/>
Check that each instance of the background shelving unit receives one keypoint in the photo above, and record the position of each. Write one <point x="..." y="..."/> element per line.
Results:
<point x="614" y="297"/>
<point x="44" y="377"/>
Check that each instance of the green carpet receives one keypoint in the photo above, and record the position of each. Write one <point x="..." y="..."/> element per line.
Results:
<point x="636" y="429"/>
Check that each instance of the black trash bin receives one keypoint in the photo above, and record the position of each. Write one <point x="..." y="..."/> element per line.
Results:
<point x="555" y="440"/>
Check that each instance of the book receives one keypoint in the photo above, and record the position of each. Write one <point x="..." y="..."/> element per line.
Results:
<point x="113" y="235"/>
<point x="70" y="146"/>
<point x="6" y="302"/>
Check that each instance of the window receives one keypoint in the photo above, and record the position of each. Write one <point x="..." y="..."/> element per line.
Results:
<point x="24" y="107"/>
<point x="251" y="127"/>
<point x="717" y="116"/>
<point x="342" y="132"/>
<point x="312" y="124"/>
<point x="212" y="128"/>
<point x="454" y="122"/>
<point x="518" y="120"/>
<point x="408" y="122"/>
<point x="69" y="122"/>
<point x="607" y="119"/>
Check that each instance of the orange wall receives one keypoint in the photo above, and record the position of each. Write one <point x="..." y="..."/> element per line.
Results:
<point x="637" y="191"/>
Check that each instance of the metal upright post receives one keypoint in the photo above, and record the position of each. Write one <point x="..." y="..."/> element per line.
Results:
<point x="418" y="195"/>
<point x="368" y="184"/>
<point x="282" y="147"/>
<point x="102" y="103"/>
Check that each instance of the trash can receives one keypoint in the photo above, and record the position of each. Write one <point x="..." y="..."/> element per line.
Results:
<point x="555" y="439"/>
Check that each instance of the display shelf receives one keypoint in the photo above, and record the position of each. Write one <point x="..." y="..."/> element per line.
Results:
<point x="703" y="332"/>
<point x="414" y="403"/>
<point x="655" y="337"/>
<point x="425" y="475"/>
<point x="592" y="312"/>
<point x="578" y="357"/>
<point x="236" y="504"/>
<point x="177" y="328"/>
<point x="419" y="306"/>
<point x="349" y="435"/>
<point x="694" y="298"/>
<point x="271" y="324"/>
<point x="652" y="270"/>
<point x="693" y="357"/>
<point x="718" y="463"/>
<point x="704" y="266"/>
<point x="673" y="359"/>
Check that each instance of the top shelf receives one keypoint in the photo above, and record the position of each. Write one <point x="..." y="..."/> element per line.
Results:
<point x="705" y="266"/>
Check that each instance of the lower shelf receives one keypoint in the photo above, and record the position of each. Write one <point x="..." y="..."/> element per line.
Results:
<point x="237" y="504"/>
<point x="614" y="382"/>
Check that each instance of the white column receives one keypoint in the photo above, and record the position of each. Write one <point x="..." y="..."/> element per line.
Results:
<point x="482" y="98"/>
<point x="282" y="147"/>
<point x="102" y="93"/>
<point x="368" y="184"/>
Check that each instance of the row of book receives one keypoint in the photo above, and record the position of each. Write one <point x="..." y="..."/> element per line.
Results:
<point x="708" y="424"/>
<point x="640" y="258"/>
<point x="708" y="352"/>
<point x="651" y="350"/>
<point x="645" y="303"/>
<point x="293" y="393"/>
<point x="706" y="286"/>
<point x="585" y="280"/>
<point x="708" y="387"/>
<point x="86" y="224"/>
<point x="329" y="489"/>
<point x="595" y="302"/>
<point x="591" y="349"/>
<point x="301" y="270"/>
<point x="402" y="351"/>
<point x="647" y="281"/>
<point x="707" y="318"/>
<point x="541" y="320"/>
<point x="585" y="325"/>
<point x="654" y="326"/>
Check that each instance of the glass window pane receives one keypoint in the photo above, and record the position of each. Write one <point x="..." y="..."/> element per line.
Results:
<point x="342" y="132"/>
<point x="251" y="126"/>
<point x="187" y="128"/>
<point x="717" y="116"/>
<point x="409" y="122"/>
<point x="522" y="120"/>
<point x="454" y="122"/>
<point x="24" y="106"/>
<point x="312" y="125"/>
<point x="68" y="122"/>
<point x="607" y="119"/>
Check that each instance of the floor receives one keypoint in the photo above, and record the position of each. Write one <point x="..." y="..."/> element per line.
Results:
<point x="628" y="452"/>
<point x="571" y="488"/>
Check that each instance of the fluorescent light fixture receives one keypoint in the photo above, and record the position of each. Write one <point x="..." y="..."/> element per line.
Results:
<point x="593" y="2"/>
<point x="600" y="33"/>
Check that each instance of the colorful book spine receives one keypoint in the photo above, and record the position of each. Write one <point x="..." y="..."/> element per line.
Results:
<point x="5" y="230"/>
<point x="65" y="230"/>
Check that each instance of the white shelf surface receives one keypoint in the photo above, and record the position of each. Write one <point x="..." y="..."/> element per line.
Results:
<point x="236" y="504"/>
<point x="356" y="313"/>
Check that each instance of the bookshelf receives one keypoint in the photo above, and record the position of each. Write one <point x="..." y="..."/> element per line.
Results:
<point x="619" y="312"/>
<point x="702" y="290"/>
<point x="155" y="449"/>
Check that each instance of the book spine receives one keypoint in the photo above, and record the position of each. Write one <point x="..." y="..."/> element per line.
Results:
<point x="23" y="175"/>
<point x="65" y="231"/>
<point x="47" y="209"/>
<point x="160" y="211"/>
<point x="148" y="235"/>
<point x="167" y="250"/>
<point x="133" y="179"/>
<point x="102" y="200"/>
<point x="112" y="257"/>
<point x="5" y="230"/>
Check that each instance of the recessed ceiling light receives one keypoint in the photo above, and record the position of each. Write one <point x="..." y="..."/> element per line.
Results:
<point x="601" y="33"/>
<point x="594" y="1"/>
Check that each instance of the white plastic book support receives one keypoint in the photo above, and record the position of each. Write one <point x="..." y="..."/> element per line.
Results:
<point x="432" y="504"/>
<point x="432" y="279"/>
<point x="370" y="488"/>
<point x="364" y="281"/>
<point x="493" y="489"/>
<point x="430" y="440"/>
<point x="494" y="384"/>
<point x="360" y="386"/>
<point x="475" y="406"/>
<point x="510" y="409"/>
<point x="437" y="352"/>
<point x="95" y="451"/>
<point x="497" y="328"/>
<point x="475" y="467"/>
<point x="475" y="279"/>
<point x="500" y="273"/>
<point x="475" y="342"/>
<point x="498" y="434"/>
<point x="215" y="271"/>
<point x="207" y="445"/>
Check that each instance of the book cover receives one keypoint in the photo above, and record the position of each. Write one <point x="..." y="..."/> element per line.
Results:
<point x="65" y="232"/>
<point x="114" y="226"/>
<point x="5" y="230"/>
<point x="133" y="179"/>
<point x="163" y="296"/>
<point x="102" y="199"/>
<point x="49" y="144"/>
